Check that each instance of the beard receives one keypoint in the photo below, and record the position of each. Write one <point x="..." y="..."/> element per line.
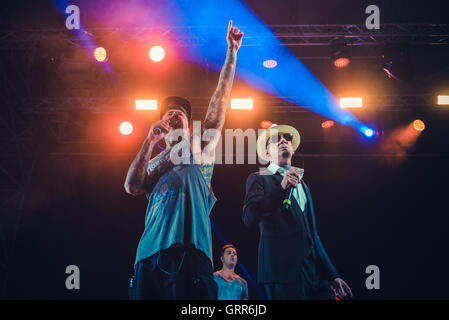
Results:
<point x="285" y="154"/>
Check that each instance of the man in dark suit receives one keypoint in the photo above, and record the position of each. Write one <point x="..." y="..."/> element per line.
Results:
<point x="292" y="262"/>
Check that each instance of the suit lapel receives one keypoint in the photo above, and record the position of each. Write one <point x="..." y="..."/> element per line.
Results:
<point x="277" y="177"/>
<point x="310" y="204"/>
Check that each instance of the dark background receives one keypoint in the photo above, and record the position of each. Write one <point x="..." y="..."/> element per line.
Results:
<point x="63" y="200"/>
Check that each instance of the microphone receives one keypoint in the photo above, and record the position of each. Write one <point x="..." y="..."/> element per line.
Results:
<point x="174" y="123"/>
<point x="287" y="201"/>
<point x="157" y="131"/>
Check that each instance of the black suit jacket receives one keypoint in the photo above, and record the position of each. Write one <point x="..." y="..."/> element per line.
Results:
<point x="283" y="239"/>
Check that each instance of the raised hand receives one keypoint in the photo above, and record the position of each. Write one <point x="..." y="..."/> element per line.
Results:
<point x="234" y="37"/>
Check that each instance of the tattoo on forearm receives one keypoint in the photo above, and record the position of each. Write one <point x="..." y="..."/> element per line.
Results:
<point x="137" y="171"/>
<point x="217" y="107"/>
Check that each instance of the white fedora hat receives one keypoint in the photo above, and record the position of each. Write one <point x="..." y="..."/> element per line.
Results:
<point x="273" y="130"/>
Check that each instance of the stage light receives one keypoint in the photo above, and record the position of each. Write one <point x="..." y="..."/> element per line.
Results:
<point x="126" y="128"/>
<point x="265" y="124"/>
<point x="327" y="124"/>
<point x="270" y="64"/>
<point x="242" y="103"/>
<point x="419" y="125"/>
<point x="341" y="62"/>
<point x="100" y="54"/>
<point x="340" y="53"/>
<point x="351" y="102"/>
<point x="443" y="100"/>
<point x="368" y="132"/>
<point x="157" y="53"/>
<point x="146" y="104"/>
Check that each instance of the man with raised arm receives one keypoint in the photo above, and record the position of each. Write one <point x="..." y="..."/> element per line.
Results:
<point x="174" y="255"/>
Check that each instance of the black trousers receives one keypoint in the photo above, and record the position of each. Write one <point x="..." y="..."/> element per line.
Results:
<point x="310" y="286"/>
<point x="179" y="273"/>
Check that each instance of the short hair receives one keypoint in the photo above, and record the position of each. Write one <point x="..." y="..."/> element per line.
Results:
<point x="227" y="247"/>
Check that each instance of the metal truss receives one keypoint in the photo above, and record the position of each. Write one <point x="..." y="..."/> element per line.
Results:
<point x="290" y="35"/>
<point x="359" y="35"/>
<point x="383" y="103"/>
<point x="46" y="106"/>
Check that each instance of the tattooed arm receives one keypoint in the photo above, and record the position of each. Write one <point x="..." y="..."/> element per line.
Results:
<point x="137" y="172"/>
<point x="135" y="178"/>
<point x="215" y="116"/>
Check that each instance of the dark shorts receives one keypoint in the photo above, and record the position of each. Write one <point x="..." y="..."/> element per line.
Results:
<point x="310" y="286"/>
<point x="180" y="273"/>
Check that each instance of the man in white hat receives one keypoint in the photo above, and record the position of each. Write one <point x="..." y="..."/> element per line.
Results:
<point x="292" y="262"/>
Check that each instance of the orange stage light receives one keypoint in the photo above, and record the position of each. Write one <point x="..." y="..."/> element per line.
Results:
<point x="351" y="102"/>
<point x="100" y="54"/>
<point x="341" y="62"/>
<point x="146" y="104"/>
<point x="242" y="103"/>
<point x="419" y="125"/>
<point x="126" y="128"/>
<point x="327" y="124"/>
<point x="443" y="100"/>
<point x="265" y="124"/>
<point x="157" y="53"/>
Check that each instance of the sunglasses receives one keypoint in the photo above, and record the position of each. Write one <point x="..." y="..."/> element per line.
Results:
<point x="278" y="137"/>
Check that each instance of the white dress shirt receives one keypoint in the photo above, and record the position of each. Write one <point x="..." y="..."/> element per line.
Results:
<point x="299" y="193"/>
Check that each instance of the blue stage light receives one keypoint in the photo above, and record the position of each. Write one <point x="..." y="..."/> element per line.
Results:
<point x="368" y="132"/>
<point x="290" y="80"/>
<point x="207" y="23"/>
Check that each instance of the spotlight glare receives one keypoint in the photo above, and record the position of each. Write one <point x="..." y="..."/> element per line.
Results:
<point x="340" y="54"/>
<point x="443" y="100"/>
<point x="126" y="128"/>
<point x="157" y="53"/>
<point x="368" y="132"/>
<point x="242" y="103"/>
<point x="270" y="63"/>
<point x="265" y="124"/>
<point x="341" y="62"/>
<point x="100" y="54"/>
<point x="351" y="102"/>
<point x="146" y="104"/>
<point x="327" y="124"/>
<point x="419" y="125"/>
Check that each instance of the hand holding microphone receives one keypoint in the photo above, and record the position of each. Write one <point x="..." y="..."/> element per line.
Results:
<point x="290" y="181"/>
<point x="165" y="125"/>
<point x="158" y="130"/>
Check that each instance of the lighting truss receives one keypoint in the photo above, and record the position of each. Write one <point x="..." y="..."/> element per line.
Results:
<point x="290" y="35"/>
